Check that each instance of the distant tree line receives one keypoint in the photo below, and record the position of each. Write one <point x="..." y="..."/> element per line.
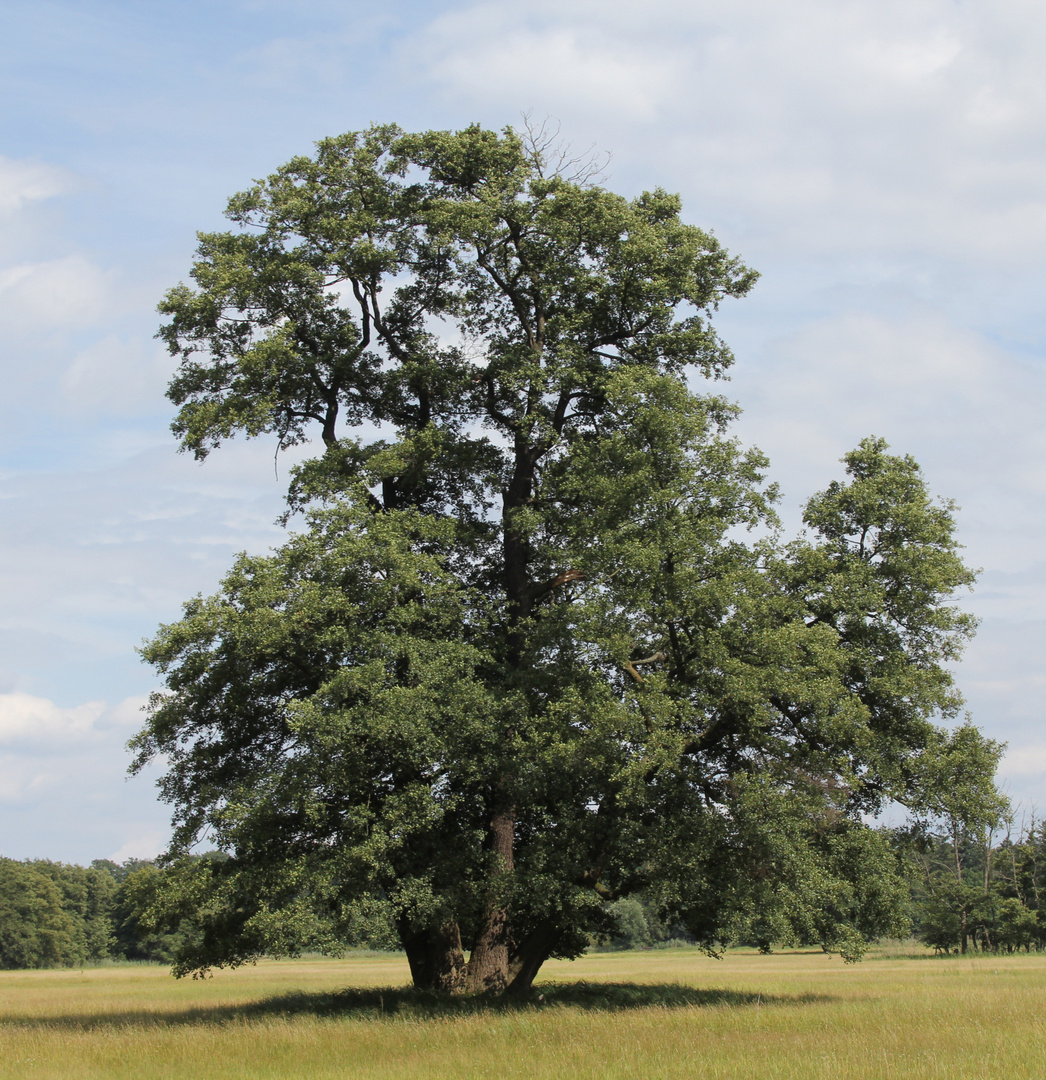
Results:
<point x="56" y="914"/>
<point x="970" y="891"/>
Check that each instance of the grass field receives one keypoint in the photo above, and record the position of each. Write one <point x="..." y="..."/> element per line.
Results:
<point x="645" y="1015"/>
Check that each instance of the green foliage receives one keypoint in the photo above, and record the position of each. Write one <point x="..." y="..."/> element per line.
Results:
<point x="958" y="812"/>
<point x="958" y="796"/>
<point x="521" y="662"/>
<point x="34" y="929"/>
<point x="59" y="915"/>
<point x="970" y="892"/>
<point x="632" y="928"/>
<point x="134" y="937"/>
<point x="881" y="577"/>
<point x="87" y="895"/>
<point x="54" y="914"/>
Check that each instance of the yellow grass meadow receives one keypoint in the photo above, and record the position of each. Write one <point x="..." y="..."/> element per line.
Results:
<point x="672" y="1013"/>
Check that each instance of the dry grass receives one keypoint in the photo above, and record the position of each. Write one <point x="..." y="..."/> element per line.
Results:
<point x="611" y="1015"/>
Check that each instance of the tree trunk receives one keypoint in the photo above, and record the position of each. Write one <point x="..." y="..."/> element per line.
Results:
<point x="964" y="934"/>
<point x="435" y="957"/>
<point x="488" y="968"/>
<point x="531" y="954"/>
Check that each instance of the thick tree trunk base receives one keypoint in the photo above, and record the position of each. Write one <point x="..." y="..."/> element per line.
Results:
<point x="488" y="971"/>
<point x="437" y="962"/>
<point x="436" y="959"/>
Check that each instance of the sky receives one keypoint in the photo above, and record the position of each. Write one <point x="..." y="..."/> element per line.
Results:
<point x="880" y="162"/>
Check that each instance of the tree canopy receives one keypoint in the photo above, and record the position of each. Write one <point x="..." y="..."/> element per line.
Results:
<point x="535" y="646"/>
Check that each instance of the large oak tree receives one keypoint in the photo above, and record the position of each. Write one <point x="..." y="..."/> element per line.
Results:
<point x="535" y="645"/>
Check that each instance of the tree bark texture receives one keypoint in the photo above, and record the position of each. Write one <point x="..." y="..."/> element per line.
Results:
<point x="488" y="966"/>
<point x="532" y="952"/>
<point x="435" y="957"/>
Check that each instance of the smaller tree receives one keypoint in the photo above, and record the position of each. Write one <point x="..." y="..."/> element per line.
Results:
<point x="1018" y="926"/>
<point x="1020" y="871"/>
<point x="632" y="928"/>
<point x="960" y="809"/>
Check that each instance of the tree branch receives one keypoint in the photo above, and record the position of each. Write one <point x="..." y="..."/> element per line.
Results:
<point x="630" y="665"/>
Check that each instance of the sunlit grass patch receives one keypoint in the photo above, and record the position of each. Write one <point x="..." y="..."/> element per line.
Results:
<point x="670" y="1013"/>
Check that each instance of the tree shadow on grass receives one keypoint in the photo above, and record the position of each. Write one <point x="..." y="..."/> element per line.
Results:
<point x="405" y="1003"/>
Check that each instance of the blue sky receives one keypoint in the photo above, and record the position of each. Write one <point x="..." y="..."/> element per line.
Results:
<point x="880" y="162"/>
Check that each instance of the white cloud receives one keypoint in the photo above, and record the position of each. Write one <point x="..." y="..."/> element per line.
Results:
<point x="70" y="291"/>
<point x="485" y="50"/>
<point x="144" y="844"/>
<point x="882" y="125"/>
<point x="39" y="724"/>
<point x="24" y="182"/>
<point x="39" y="296"/>
<point x="63" y="776"/>
<point x="966" y="410"/>
<point x="21" y="781"/>
<point x="1024" y="761"/>
<point x="78" y="807"/>
<point x="125" y="717"/>
<point x="35" y="721"/>
<point x="94" y="558"/>
<point x="116" y="375"/>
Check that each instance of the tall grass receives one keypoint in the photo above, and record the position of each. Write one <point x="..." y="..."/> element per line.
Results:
<point x="669" y="1013"/>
